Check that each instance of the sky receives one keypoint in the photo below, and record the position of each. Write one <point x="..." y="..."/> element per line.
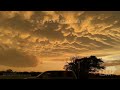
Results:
<point x="46" y="40"/>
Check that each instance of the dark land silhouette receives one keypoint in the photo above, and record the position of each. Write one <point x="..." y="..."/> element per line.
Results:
<point x="84" y="68"/>
<point x="9" y="74"/>
<point x="22" y="75"/>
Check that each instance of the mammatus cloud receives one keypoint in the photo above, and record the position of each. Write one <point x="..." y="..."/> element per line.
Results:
<point x="55" y="35"/>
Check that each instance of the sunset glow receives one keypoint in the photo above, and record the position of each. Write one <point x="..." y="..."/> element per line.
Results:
<point x="46" y="40"/>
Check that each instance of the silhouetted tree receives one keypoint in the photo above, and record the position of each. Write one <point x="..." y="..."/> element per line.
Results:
<point x="9" y="70"/>
<point x="83" y="66"/>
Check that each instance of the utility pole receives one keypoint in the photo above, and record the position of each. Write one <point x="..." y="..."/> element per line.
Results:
<point x="78" y="69"/>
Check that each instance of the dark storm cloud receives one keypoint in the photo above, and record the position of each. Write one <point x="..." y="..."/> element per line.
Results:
<point x="106" y="17"/>
<point x="50" y="31"/>
<point x="15" y="58"/>
<point x="100" y="32"/>
<point x="87" y="41"/>
<point x="104" y="38"/>
<point x="78" y="45"/>
<point x="43" y="43"/>
<point x="41" y="33"/>
<point x="66" y="29"/>
<point x="49" y="53"/>
<point x="111" y="20"/>
<point x="66" y="50"/>
<point x="38" y="15"/>
<point x="71" y="37"/>
<point x="16" y="22"/>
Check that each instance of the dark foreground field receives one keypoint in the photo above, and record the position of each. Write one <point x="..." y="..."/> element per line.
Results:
<point x="23" y="75"/>
<point x="104" y="76"/>
<point x="17" y="75"/>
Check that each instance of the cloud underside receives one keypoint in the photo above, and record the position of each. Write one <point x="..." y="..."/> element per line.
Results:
<point x="14" y="58"/>
<point x="56" y="34"/>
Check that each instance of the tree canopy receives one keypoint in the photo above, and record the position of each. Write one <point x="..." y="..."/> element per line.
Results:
<point x="84" y="65"/>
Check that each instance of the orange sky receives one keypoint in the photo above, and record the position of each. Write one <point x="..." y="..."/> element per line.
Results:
<point x="45" y="40"/>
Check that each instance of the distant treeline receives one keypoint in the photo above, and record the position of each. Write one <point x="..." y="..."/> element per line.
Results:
<point x="10" y="72"/>
<point x="103" y="76"/>
<point x="91" y="75"/>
